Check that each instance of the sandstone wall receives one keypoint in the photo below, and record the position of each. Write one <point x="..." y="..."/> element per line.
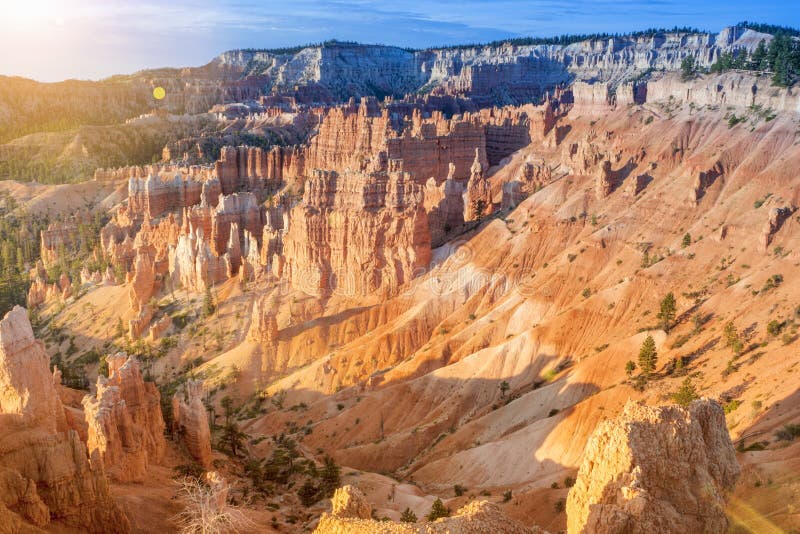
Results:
<point x="357" y="233"/>
<point x="45" y="472"/>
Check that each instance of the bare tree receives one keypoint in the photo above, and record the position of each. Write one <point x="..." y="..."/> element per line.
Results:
<point x="206" y="507"/>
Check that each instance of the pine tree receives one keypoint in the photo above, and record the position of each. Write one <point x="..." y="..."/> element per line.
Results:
<point x="732" y="338"/>
<point x="438" y="510"/>
<point x="648" y="356"/>
<point x="408" y="516"/>
<point x="686" y="393"/>
<point x="120" y="328"/>
<point x="331" y="477"/>
<point x="208" y="303"/>
<point x="667" y="313"/>
<point x="687" y="240"/>
<point x="688" y="68"/>
<point x="308" y="493"/>
<point x="232" y="438"/>
<point x="758" y="60"/>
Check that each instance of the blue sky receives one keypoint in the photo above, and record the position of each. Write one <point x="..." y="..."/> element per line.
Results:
<point x="56" y="39"/>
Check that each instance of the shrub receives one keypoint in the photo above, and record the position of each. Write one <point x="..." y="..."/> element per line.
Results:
<point x="192" y="470"/>
<point x="733" y="120"/>
<point x="774" y="327"/>
<point x="687" y="240"/>
<point x="732" y="405"/>
<point x="308" y="493"/>
<point x="772" y="282"/>
<point x="459" y="490"/>
<point x="757" y="446"/>
<point x="569" y="482"/>
<point x="788" y="432"/>
<point x="408" y="516"/>
<point x="438" y="510"/>
<point x="560" y="506"/>
<point x="685" y="394"/>
<point x="207" y="510"/>
<point x="504" y="387"/>
<point x="630" y="367"/>
<point x="586" y="293"/>
<point x="507" y="495"/>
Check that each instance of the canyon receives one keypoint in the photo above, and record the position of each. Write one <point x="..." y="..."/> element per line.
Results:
<point x="426" y="283"/>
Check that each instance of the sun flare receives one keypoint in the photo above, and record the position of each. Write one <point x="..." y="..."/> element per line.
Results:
<point x="17" y="11"/>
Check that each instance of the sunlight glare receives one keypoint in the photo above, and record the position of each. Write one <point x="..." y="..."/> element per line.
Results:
<point x="30" y="11"/>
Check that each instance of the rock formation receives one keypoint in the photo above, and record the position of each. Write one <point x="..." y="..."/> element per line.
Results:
<point x="604" y="181"/>
<point x="352" y="514"/>
<point x="264" y="331"/>
<point x="489" y="74"/>
<point x="45" y="472"/>
<point x="655" y="470"/>
<point x="775" y="220"/>
<point x="478" y="195"/>
<point x="445" y="206"/>
<point x="356" y="233"/>
<point x="190" y="422"/>
<point x="143" y="282"/>
<point x="126" y="427"/>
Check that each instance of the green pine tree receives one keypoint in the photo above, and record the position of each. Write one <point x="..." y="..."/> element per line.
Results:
<point x="408" y="516"/>
<point x="648" y="356"/>
<point x="438" y="510"/>
<point x="686" y="393"/>
<point x="330" y="476"/>
<point x="688" y="68"/>
<point x="667" y="313"/>
<point x="208" y="303"/>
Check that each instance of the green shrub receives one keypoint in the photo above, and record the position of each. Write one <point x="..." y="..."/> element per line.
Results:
<point x="788" y="432"/>
<point x="438" y="510"/>
<point x="408" y="516"/>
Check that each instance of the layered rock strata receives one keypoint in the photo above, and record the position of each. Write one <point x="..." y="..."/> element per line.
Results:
<point x="126" y="427"/>
<point x="357" y="233"/>
<point x="45" y="472"/>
